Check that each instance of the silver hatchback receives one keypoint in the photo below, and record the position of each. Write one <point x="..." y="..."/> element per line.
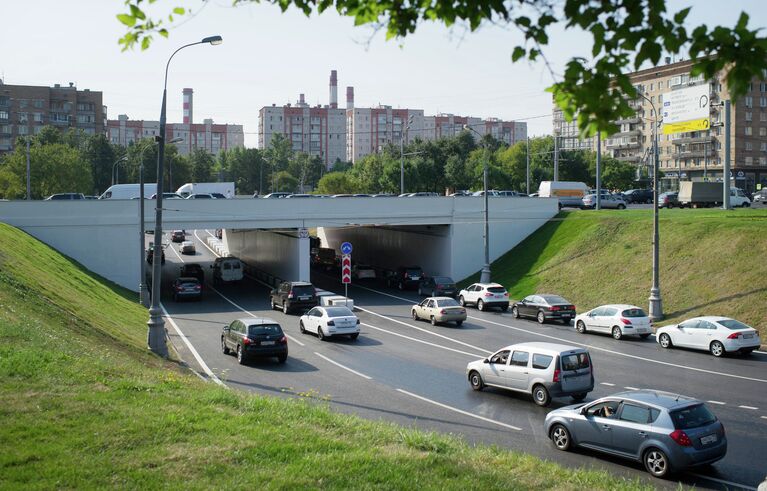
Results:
<point x="666" y="432"/>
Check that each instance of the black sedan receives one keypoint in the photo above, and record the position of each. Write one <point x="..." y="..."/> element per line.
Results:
<point x="544" y="307"/>
<point x="250" y="337"/>
<point x="438" y="286"/>
<point x="186" y="288"/>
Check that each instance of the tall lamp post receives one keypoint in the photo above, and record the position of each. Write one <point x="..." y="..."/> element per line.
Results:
<point x="114" y="167"/>
<point x="156" y="324"/>
<point x="656" y="303"/>
<point x="402" y="155"/>
<point x="484" y="276"/>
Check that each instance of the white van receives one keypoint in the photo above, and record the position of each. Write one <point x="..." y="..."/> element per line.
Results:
<point x="129" y="191"/>
<point x="570" y="193"/>
<point x="226" y="269"/>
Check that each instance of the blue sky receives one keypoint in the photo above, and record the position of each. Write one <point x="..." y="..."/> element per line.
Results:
<point x="270" y="57"/>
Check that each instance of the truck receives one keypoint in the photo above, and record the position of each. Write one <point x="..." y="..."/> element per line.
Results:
<point x="569" y="193"/>
<point x="224" y="188"/>
<point x="699" y="194"/>
<point x="129" y="191"/>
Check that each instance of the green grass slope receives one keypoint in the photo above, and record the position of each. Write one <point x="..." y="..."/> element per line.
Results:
<point x="711" y="262"/>
<point x="85" y="406"/>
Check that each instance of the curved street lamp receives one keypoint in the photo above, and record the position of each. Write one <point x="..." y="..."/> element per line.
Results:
<point x="156" y="324"/>
<point x="114" y="166"/>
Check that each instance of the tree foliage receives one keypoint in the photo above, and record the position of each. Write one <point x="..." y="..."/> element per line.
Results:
<point x="54" y="168"/>
<point x="625" y="35"/>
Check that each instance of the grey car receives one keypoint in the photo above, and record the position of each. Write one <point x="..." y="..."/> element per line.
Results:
<point x="606" y="201"/>
<point x="666" y="432"/>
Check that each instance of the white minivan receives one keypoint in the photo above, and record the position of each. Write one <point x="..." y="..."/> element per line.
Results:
<point x="226" y="269"/>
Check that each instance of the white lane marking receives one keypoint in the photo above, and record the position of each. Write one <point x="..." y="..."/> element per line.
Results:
<point x="191" y="348"/>
<point x="628" y="387"/>
<point x="760" y="352"/>
<point x="254" y="315"/>
<point x="466" y="413"/>
<point x="749" y="407"/>
<point x="717" y="402"/>
<point x="763" y="417"/>
<point x="722" y="481"/>
<point x="473" y="355"/>
<point x="618" y="353"/>
<point x="424" y="330"/>
<point x="206" y="245"/>
<point x="607" y="384"/>
<point x="355" y="372"/>
<point x="176" y="252"/>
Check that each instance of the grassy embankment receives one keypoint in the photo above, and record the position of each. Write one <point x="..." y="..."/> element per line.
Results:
<point x="711" y="262"/>
<point x="85" y="406"/>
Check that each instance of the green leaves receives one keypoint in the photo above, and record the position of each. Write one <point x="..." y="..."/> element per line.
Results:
<point x="126" y="19"/>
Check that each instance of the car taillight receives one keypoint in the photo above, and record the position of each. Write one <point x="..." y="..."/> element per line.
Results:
<point x="283" y="340"/>
<point x="505" y="294"/>
<point x="443" y="311"/>
<point x="290" y="294"/>
<point x="331" y="323"/>
<point x="197" y="287"/>
<point x="626" y="321"/>
<point x="246" y="341"/>
<point x="681" y="438"/>
<point x="734" y="335"/>
<point x="555" y="307"/>
<point x="556" y="375"/>
<point x="488" y="294"/>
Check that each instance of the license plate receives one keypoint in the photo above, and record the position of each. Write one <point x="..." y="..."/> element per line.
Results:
<point x="415" y="277"/>
<point x="304" y="298"/>
<point x="748" y="336"/>
<point x="566" y="316"/>
<point x="267" y="343"/>
<point x="706" y="440"/>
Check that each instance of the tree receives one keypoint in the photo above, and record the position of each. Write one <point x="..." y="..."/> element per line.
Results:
<point x="246" y="168"/>
<point x="101" y="155"/>
<point x="284" y="182"/>
<point x="201" y="163"/>
<point x="335" y="183"/>
<point x="625" y="34"/>
<point x="617" y="174"/>
<point x="54" y="168"/>
<point x="305" y="169"/>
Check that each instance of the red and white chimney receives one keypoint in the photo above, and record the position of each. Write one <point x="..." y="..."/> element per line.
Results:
<point x="188" y="116"/>
<point x="333" y="89"/>
<point x="349" y="97"/>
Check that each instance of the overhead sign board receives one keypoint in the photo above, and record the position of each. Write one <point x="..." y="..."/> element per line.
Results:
<point x="686" y="110"/>
<point x="346" y="268"/>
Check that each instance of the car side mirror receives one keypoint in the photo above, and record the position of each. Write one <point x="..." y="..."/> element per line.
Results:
<point x="211" y="266"/>
<point x="486" y="360"/>
<point x="679" y="326"/>
<point x="226" y="328"/>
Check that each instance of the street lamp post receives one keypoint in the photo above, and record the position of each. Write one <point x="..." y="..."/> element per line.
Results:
<point x="402" y="155"/>
<point x="114" y="166"/>
<point x="29" y="168"/>
<point x="156" y="324"/>
<point x="656" y="303"/>
<point x="484" y="276"/>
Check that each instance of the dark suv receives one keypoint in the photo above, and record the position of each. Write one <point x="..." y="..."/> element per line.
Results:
<point x="254" y="337"/>
<point x="291" y="295"/>
<point x="406" y="277"/>
<point x="438" y="286"/>
<point x="638" y="196"/>
<point x="193" y="271"/>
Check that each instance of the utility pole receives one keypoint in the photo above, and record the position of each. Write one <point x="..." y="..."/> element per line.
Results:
<point x="726" y="166"/>
<point x="527" y="171"/>
<point x="29" y="168"/>
<point x="599" y="174"/>
<point x="556" y="158"/>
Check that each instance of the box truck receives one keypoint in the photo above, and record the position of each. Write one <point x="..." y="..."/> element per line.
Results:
<point x="569" y="193"/>
<point x="129" y="191"/>
<point x="224" y="188"/>
<point x="698" y="194"/>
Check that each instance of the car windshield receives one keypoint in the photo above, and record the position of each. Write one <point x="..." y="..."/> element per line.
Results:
<point x="338" y="312"/>
<point x="264" y="329"/>
<point x="496" y="289"/>
<point x="692" y="417"/>
<point x="443" y="280"/>
<point x="303" y="290"/>
<point x="633" y="313"/>
<point x="575" y="361"/>
<point x="553" y="299"/>
<point x="413" y="272"/>
<point x="733" y="325"/>
<point x="448" y="302"/>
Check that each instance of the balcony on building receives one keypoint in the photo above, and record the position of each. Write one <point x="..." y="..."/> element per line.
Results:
<point x="632" y="120"/>
<point x="693" y="139"/>
<point x="629" y="158"/>
<point x="623" y="142"/>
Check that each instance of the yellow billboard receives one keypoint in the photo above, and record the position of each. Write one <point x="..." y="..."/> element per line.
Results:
<point x="695" y="125"/>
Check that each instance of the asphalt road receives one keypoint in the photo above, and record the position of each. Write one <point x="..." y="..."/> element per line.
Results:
<point x="413" y="374"/>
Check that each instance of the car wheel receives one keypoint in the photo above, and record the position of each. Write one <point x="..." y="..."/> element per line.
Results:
<point x="241" y="358"/>
<point x="420" y="292"/>
<point x="282" y="358"/>
<point x="480" y="305"/>
<point x="433" y="321"/>
<point x="515" y="312"/>
<point x="621" y="207"/>
<point x="717" y="349"/>
<point x="578" y="397"/>
<point x="560" y="437"/>
<point x="656" y="462"/>
<point x="458" y="324"/>
<point x="321" y="335"/>
<point x="224" y="348"/>
<point x="414" y="315"/>
<point x="301" y="327"/>
<point x="475" y="380"/>
<point x="272" y="305"/>
<point x="354" y="336"/>
<point x="285" y="308"/>
<point x="617" y="334"/>
<point x="644" y="336"/>
<point x="462" y="301"/>
<point x="541" y="317"/>
<point x="541" y="396"/>
<point x="400" y="286"/>
<point x="580" y="326"/>
<point x="665" y="341"/>
<point x="433" y="293"/>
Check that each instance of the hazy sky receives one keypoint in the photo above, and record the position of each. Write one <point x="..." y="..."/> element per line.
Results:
<point x="270" y="57"/>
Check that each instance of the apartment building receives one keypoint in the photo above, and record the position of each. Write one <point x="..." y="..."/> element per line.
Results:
<point x="25" y="109"/>
<point x="206" y="135"/>
<point x="697" y="155"/>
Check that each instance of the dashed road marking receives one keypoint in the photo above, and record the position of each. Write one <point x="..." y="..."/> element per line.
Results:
<point x="355" y="372"/>
<point x="607" y="384"/>
<point x="460" y="411"/>
<point x="628" y="387"/>
<point x="717" y="402"/>
<point x="749" y="407"/>
<point x="763" y="417"/>
<point x="473" y="355"/>
<point x="722" y="481"/>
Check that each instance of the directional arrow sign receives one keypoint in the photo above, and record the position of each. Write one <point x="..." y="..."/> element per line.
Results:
<point x="346" y="268"/>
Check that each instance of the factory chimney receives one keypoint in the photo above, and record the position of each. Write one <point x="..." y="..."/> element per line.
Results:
<point x="333" y="89"/>
<point x="188" y="106"/>
<point x="349" y="97"/>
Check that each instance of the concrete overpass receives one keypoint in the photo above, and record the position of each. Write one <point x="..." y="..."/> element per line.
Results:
<point x="443" y="235"/>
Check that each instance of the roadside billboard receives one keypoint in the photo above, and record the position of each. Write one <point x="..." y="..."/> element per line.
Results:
<point x="686" y="109"/>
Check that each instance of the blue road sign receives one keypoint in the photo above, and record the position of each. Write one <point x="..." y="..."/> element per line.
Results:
<point x="346" y="248"/>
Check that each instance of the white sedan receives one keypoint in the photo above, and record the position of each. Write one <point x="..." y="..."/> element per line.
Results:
<point x="618" y="320"/>
<point x="187" y="247"/>
<point x="718" y="335"/>
<point x="327" y="322"/>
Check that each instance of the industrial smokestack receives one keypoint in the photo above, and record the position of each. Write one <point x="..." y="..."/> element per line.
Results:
<point x="349" y="97"/>
<point x="188" y="115"/>
<point x="301" y="101"/>
<point x="333" y="89"/>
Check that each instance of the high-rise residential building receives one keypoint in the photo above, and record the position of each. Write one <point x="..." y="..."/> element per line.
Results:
<point x="693" y="155"/>
<point x="25" y="109"/>
<point x="349" y="134"/>
<point x="206" y="135"/>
